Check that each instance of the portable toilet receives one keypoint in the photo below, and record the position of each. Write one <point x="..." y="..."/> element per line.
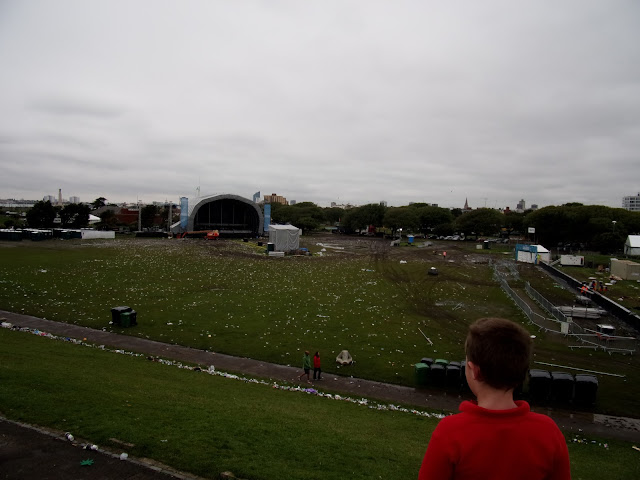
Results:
<point x="438" y="374"/>
<point x="539" y="385"/>
<point x="453" y="374"/>
<point x="586" y="388"/>
<point x="562" y="384"/>
<point x="427" y="360"/>
<point x="421" y="374"/>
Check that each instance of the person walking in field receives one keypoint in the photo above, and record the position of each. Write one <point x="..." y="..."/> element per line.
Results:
<point x="306" y="366"/>
<point x="316" y="366"/>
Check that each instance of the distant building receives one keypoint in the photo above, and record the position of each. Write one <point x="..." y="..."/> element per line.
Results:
<point x="292" y="202"/>
<point x="344" y="206"/>
<point x="466" y="207"/>
<point x="534" y="206"/>
<point x="384" y="203"/>
<point x="275" y="198"/>
<point x="74" y="199"/>
<point x="49" y="198"/>
<point x="521" y="206"/>
<point x="631" y="203"/>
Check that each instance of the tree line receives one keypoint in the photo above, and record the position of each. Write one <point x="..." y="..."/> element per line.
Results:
<point x="595" y="227"/>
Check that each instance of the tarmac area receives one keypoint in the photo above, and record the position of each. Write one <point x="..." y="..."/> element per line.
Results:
<point x="28" y="452"/>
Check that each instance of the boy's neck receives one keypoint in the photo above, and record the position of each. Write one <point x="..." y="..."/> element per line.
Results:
<point x="493" y="399"/>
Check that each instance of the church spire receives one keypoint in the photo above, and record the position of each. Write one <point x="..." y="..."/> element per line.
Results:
<point x="466" y="205"/>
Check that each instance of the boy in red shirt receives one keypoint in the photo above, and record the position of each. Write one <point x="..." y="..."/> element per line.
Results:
<point x="495" y="437"/>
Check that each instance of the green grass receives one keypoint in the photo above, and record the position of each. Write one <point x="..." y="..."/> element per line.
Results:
<point x="228" y="297"/>
<point x="206" y="424"/>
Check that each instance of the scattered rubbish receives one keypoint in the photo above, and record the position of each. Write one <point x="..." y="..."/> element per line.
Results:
<point x="428" y="339"/>
<point x="328" y="246"/>
<point x="86" y="463"/>
<point x="403" y="261"/>
<point x="344" y="358"/>
<point x="636" y="448"/>
<point x="69" y="437"/>
<point x="90" y="446"/>
<point x="433" y="271"/>
<point x="212" y="371"/>
<point x="124" y="456"/>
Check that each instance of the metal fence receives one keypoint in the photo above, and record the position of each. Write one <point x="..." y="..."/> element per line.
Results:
<point x="576" y="336"/>
<point x="547" y="324"/>
<point x="592" y="339"/>
<point x="544" y="303"/>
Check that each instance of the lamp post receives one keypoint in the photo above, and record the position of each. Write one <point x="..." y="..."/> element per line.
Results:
<point x="614" y="225"/>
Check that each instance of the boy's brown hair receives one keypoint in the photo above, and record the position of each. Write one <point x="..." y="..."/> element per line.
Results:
<point x="501" y="349"/>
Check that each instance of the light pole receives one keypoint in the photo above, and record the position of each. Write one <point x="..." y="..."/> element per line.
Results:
<point x="614" y="225"/>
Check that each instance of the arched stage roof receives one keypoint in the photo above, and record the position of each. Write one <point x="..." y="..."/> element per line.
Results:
<point x="229" y="214"/>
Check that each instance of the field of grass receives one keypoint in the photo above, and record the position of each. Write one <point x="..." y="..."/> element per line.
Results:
<point x="228" y="297"/>
<point x="206" y="424"/>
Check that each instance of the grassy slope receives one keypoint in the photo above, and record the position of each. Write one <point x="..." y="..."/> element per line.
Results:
<point x="205" y="424"/>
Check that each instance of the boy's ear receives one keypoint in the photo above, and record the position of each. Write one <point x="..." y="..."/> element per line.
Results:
<point x="473" y="369"/>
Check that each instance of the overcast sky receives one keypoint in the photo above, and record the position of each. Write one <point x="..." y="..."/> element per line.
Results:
<point x="345" y="101"/>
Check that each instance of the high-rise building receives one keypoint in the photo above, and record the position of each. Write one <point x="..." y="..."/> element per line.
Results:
<point x="631" y="203"/>
<point x="74" y="199"/>
<point x="49" y="198"/>
<point x="521" y="206"/>
<point x="275" y="198"/>
<point x="383" y="203"/>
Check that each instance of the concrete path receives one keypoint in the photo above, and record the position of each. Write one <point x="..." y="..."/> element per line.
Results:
<point x="584" y="423"/>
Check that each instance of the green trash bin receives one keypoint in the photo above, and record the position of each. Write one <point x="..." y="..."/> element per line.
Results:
<point x="421" y="374"/>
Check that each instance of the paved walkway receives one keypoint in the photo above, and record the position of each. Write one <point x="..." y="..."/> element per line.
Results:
<point x="570" y="422"/>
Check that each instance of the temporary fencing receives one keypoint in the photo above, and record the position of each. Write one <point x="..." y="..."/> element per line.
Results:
<point x="577" y="337"/>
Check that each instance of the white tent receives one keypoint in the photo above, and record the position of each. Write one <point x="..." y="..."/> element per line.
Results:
<point x="532" y="254"/>
<point x="284" y="237"/>
<point x="93" y="219"/>
<point x="632" y="245"/>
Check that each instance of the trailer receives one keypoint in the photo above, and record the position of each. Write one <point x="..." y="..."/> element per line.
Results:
<point x="572" y="260"/>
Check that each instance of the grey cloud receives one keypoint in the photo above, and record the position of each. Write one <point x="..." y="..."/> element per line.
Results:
<point x="68" y="106"/>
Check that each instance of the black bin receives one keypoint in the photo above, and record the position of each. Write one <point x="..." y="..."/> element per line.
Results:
<point x="539" y="385"/>
<point x="586" y="388"/>
<point x="438" y="374"/>
<point x="453" y="375"/>
<point x="427" y="360"/>
<point x="463" y="375"/>
<point x="562" y="384"/>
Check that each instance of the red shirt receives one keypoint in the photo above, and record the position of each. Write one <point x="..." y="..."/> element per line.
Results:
<point x="316" y="361"/>
<point x="496" y="444"/>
